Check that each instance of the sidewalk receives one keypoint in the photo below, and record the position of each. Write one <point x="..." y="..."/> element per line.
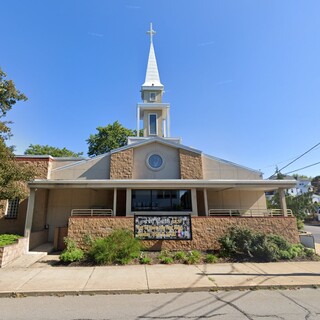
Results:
<point x="43" y="278"/>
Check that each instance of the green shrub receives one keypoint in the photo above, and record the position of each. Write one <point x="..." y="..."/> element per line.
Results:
<point x="145" y="260"/>
<point x="247" y="244"/>
<point x="166" y="260"/>
<point x="300" y="224"/>
<point x="211" y="258"/>
<point x="7" y="239"/>
<point x="120" y="247"/>
<point x="72" y="252"/>
<point x="193" y="257"/>
<point x="180" y="256"/>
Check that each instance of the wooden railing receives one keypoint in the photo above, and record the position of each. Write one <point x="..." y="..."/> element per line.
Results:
<point x="91" y="212"/>
<point x="250" y="212"/>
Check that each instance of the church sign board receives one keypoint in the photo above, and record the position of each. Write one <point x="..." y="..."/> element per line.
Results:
<point x="162" y="227"/>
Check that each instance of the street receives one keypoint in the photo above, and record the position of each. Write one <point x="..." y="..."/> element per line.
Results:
<point x="224" y="305"/>
<point x="315" y="230"/>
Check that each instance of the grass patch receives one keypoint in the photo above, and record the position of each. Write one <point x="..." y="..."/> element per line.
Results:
<point x="7" y="239"/>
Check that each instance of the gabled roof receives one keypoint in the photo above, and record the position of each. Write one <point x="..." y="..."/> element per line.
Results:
<point x="157" y="139"/>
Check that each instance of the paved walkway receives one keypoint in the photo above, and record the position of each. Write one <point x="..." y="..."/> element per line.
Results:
<point x="31" y="276"/>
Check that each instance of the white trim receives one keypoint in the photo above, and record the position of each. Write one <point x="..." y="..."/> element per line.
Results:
<point x="266" y="185"/>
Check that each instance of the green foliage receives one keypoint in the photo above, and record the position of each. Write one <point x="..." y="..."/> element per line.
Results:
<point x="300" y="224"/>
<point x="315" y="182"/>
<point x="211" y="258"/>
<point x="300" y="205"/>
<point x="37" y="149"/>
<point x="12" y="174"/>
<point x="193" y="257"/>
<point x="180" y="256"/>
<point x="246" y="244"/>
<point x="120" y="247"/>
<point x="165" y="257"/>
<point x="144" y="259"/>
<point x="7" y="239"/>
<point x="72" y="252"/>
<point x="108" y="138"/>
<point x="9" y="96"/>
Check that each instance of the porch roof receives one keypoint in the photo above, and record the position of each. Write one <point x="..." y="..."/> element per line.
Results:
<point x="264" y="185"/>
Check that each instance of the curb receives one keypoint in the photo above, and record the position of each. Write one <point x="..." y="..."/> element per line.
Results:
<point x="62" y="293"/>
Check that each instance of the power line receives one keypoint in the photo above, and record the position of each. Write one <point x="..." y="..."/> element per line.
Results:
<point x="299" y="157"/>
<point x="311" y="165"/>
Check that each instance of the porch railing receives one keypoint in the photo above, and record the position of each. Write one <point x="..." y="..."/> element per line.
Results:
<point x="250" y="212"/>
<point x="91" y="212"/>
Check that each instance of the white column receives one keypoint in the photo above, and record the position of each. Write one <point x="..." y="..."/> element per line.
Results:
<point x="29" y="217"/>
<point x="115" y="201"/>
<point x="283" y="203"/>
<point x="194" y="202"/>
<point x="168" y="122"/>
<point x="205" y="198"/>
<point x="138" y="122"/>
<point x="128" y="203"/>
<point x="164" y="128"/>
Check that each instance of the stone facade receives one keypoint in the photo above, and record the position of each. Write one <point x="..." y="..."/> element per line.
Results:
<point x="121" y="166"/>
<point x="190" y="165"/>
<point x="13" y="251"/>
<point x="40" y="165"/>
<point x="205" y="230"/>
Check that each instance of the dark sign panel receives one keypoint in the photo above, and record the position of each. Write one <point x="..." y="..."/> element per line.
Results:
<point x="175" y="227"/>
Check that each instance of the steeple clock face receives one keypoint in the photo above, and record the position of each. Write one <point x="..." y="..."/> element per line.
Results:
<point x="155" y="161"/>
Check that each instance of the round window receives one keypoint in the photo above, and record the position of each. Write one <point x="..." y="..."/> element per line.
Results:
<point x="155" y="161"/>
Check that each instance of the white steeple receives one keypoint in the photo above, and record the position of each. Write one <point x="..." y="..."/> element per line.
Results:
<point x="152" y="75"/>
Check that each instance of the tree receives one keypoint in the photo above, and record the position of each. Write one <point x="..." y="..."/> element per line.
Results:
<point x="37" y="149"/>
<point x="12" y="175"/>
<point x="108" y="138"/>
<point x="315" y="182"/>
<point x="300" y="205"/>
<point x="9" y="95"/>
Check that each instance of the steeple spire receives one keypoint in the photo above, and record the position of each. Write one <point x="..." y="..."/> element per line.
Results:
<point x="152" y="75"/>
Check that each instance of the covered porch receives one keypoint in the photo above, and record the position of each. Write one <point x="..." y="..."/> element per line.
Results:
<point x="54" y="202"/>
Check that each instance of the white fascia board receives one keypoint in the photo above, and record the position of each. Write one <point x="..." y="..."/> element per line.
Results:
<point x="153" y="105"/>
<point x="265" y="185"/>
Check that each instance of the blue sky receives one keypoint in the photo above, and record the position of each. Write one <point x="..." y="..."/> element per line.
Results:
<point x="242" y="77"/>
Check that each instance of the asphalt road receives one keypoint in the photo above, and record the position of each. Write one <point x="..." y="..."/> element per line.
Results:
<point x="224" y="305"/>
<point x="315" y="230"/>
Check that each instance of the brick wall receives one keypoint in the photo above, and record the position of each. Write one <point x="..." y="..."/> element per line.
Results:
<point x="121" y="164"/>
<point x="205" y="230"/>
<point x="13" y="251"/>
<point x="190" y="165"/>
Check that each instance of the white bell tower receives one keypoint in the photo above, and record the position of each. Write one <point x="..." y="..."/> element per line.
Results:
<point x="154" y="114"/>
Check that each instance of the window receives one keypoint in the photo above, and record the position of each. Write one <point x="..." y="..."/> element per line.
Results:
<point x="161" y="200"/>
<point x="153" y="124"/>
<point x="152" y="96"/>
<point x="12" y="208"/>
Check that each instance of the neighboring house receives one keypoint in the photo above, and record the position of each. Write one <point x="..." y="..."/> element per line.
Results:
<point x="302" y="186"/>
<point x="153" y="176"/>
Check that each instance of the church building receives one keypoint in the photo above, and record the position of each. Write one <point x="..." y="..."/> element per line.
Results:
<point x="157" y="187"/>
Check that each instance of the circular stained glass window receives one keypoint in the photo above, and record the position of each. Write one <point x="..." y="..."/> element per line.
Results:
<point x="155" y="161"/>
